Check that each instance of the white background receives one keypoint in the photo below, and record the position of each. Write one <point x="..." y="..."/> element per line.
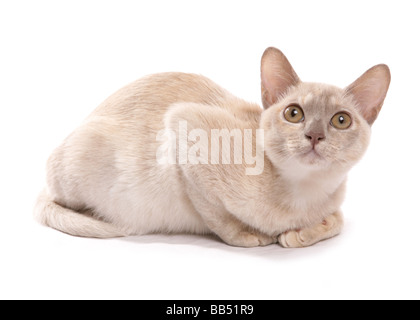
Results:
<point x="60" y="59"/>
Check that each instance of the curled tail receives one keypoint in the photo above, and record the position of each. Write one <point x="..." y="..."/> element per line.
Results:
<point x="49" y="213"/>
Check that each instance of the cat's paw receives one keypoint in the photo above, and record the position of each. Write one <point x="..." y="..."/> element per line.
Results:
<point x="250" y="239"/>
<point x="330" y="227"/>
<point x="296" y="239"/>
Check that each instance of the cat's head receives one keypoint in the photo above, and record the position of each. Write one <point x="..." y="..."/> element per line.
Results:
<point x="314" y="125"/>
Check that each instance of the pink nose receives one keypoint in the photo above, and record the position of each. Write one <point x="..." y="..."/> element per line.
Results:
<point x="315" y="137"/>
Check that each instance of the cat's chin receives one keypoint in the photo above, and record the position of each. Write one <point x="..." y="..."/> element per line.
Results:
<point x="313" y="158"/>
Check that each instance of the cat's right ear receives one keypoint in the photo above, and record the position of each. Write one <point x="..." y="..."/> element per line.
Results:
<point x="277" y="76"/>
<point x="370" y="91"/>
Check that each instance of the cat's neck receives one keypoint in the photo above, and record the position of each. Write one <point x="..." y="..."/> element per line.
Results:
<point x="308" y="186"/>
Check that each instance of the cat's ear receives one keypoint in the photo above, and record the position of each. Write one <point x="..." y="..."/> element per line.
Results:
<point x="277" y="75"/>
<point x="370" y="90"/>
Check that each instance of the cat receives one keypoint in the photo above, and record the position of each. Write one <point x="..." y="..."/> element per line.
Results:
<point x="116" y="175"/>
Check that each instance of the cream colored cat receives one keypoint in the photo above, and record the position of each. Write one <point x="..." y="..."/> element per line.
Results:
<point x="108" y="178"/>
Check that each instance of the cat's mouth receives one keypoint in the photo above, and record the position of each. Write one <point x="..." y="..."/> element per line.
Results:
<point x="312" y="156"/>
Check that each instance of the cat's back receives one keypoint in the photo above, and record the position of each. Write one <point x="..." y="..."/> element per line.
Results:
<point x="153" y="94"/>
<point x="135" y="114"/>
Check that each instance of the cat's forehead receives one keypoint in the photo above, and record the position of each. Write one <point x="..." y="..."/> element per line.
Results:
<point x="315" y="93"/>
<point x="318" y="97"/>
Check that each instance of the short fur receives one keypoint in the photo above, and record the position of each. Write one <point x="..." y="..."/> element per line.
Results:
<point x="105" y="181"/>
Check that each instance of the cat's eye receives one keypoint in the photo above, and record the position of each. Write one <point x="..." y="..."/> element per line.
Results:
<point x="341" y="121"/>
<point x="294" y="114"/>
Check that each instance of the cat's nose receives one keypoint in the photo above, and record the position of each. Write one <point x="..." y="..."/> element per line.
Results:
<point x="315" y="137"/>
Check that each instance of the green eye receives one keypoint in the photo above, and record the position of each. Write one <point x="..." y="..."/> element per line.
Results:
<point x="294" y="114"/>
<point x="341" y="121"/>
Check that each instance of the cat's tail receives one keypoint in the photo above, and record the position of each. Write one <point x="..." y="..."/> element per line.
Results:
<point x="51" y="214"/>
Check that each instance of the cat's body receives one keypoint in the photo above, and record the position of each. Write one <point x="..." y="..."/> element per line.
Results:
<point x="106" y="180"/>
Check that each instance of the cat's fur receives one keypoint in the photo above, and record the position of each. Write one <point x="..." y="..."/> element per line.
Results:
<point x="105" y="181"/>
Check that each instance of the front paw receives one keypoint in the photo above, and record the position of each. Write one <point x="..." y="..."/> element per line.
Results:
<point x="330" y="227"/>
<point x="294" y="239"/>
<point x="248" y="239"/>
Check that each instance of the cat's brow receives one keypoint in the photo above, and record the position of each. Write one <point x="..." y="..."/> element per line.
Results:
<point x="306" y="99"/>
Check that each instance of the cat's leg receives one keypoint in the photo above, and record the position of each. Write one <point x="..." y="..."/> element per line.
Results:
<point x="234" y="232"/>
<point x="226" y="226"/>
<point x="329" y="228"/>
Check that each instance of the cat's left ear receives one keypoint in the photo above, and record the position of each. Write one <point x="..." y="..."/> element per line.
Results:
<point x="277" y="76"/>
<point x="370" y="91"/>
